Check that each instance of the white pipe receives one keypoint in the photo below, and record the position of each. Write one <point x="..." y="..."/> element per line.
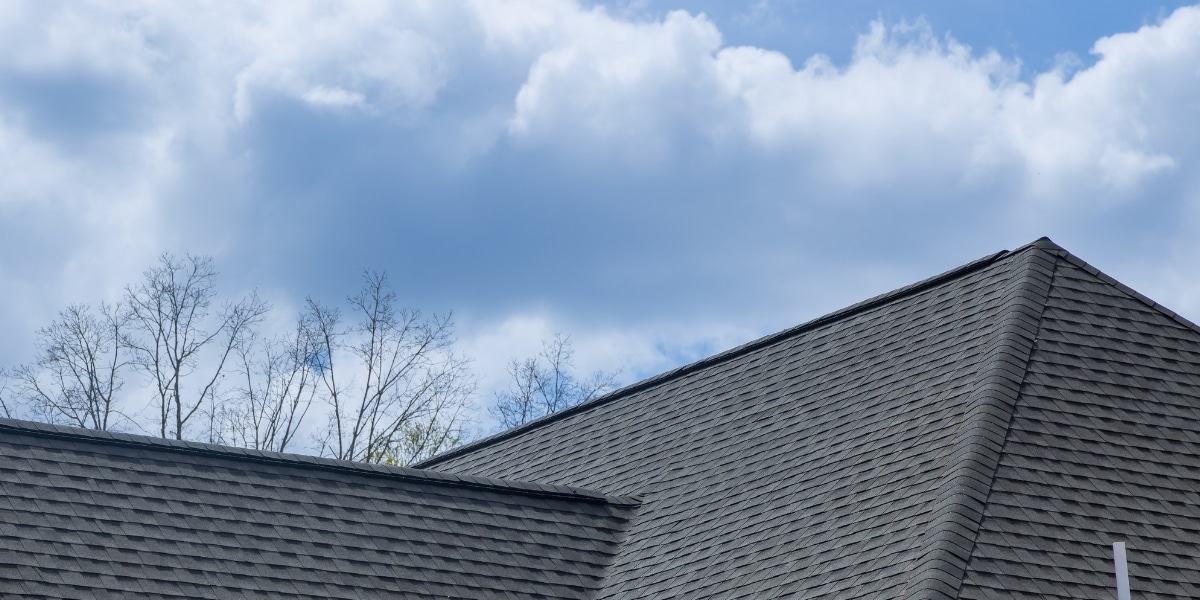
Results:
<point x="1122" y="571"/>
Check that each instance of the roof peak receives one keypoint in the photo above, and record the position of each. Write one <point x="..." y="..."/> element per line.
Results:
<point x="1043" y="244"/>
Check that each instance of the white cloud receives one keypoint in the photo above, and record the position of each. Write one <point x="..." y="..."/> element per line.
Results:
<point x="389" y="56"/>
<point x="332" y="97"/>
<point x="913" y="117"/>
<point x="909" y="109"/>
<point x="38" y="36"/>
<point x="627" y="84"/>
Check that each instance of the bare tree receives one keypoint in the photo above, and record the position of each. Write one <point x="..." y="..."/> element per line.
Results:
<point x="9" y="408"/>
<point x="279" y="382"/>
<point x="396" y="390"/>
<point x="403" y="394"/>
<point x="174" y="335"/>
<point x="545" y="384"/>
<point x="79" y="368"/>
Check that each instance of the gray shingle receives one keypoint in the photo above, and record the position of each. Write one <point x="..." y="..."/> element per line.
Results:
<point x="143" y="516"/>
<point x="1103" y="448"/>
<point x="987" y="432"/>
<point x="811" y="459"/>
<point x="962" y="437"/>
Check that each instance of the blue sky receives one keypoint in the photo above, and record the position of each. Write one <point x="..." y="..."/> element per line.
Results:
<point x="660" y="179"/>
<point x="1036" y="32"/>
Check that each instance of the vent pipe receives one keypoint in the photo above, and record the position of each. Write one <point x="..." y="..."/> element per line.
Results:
<point x="1122" y="571"/>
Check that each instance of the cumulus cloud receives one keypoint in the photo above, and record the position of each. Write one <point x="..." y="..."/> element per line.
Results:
<point x="609" y="166"/>
<point x="379" y="54"/>
<point x="909" y="101"/>
<point x="911" y="107"/>
<point x="632" y="85"/>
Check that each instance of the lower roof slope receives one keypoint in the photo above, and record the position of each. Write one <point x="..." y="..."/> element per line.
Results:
<point x="989" y="432"/>
<point x="91" y="515"/>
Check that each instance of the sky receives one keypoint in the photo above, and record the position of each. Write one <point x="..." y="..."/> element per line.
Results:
<point x="659" y="179"/>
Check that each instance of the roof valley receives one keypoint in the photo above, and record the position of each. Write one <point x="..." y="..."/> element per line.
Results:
<point x="958" y="508"/>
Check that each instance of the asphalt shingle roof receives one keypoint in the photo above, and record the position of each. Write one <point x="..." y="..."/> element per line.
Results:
<point x="90" y="515"/>
<point x="1104" y="446"/>
<point x="986" y="433"/>
<point x="990" y="431"/>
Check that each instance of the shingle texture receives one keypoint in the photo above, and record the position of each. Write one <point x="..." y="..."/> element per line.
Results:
<point x="987" y="433"/>
<point x="96" y="516"/>
<point x="984" y="434"/>
<point x="1104" y="446"/>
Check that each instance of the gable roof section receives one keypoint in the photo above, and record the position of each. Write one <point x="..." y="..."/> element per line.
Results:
<point x="1104" y="446"/>
<point x="87" y="514"/>
<point x="989" y="430"/>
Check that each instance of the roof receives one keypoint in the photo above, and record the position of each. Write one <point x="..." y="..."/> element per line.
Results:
<point x="988" y="431"/>
<point x="90" y="514"/>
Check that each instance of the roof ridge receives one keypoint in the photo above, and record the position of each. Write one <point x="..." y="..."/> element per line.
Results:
<point x="408" y="474"/>
<point x="837" y="315"/>
<point x="976" y="449"/>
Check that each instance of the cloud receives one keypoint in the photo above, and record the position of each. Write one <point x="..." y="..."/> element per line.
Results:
<point x="652" y="188"/>
<point x="376" y="54"/>
<point x="628" y="85"/>
<point x="32" y="168"/>
<point x="910" y="109"/>
<point x="332" y="97"/>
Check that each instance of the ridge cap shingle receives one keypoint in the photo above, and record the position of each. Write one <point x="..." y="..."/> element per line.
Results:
<point x="980" y="439"/>
<point x="945" y="277"/>
<point x="409" y="474"/>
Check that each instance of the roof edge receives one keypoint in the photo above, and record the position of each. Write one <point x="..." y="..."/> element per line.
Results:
<point x="735" y="352"/>
<point x="1136" y="295"/>
<point x="978" y="444"/>
<point x="406" y="474"/>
